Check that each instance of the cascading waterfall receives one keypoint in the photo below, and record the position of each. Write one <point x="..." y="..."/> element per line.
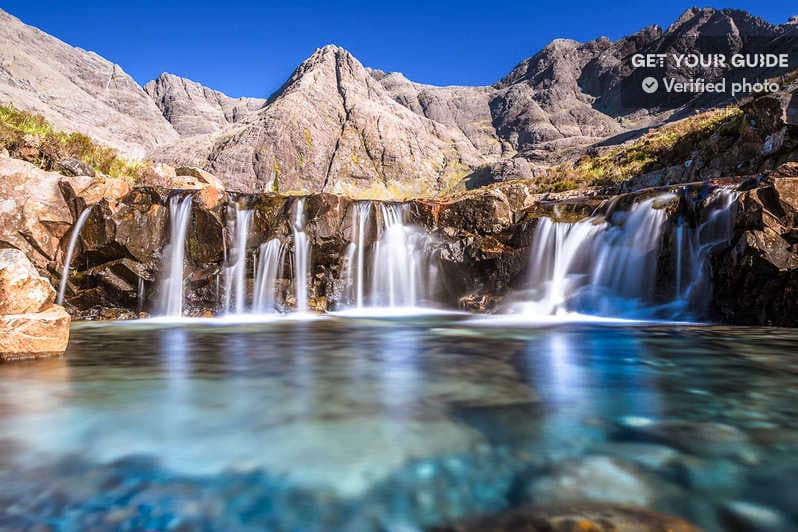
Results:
<point x="559" y="251"/>
<point x="398" y="273"/>
<point x="236" y="273"/>
<point x="73" y="240"/>
<point x="609" y="266"/>
<point x="355" y="270"/>
<point x="140" y="295"/>
<point x="693" y="247"/>
<point x="269" y="268"/>
<point x="173" y="283"/>
<point x="301" y="257"/>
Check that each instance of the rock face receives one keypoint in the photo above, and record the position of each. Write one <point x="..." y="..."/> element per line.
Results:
<point x="338" y="127"/>
<point x="33" y="214"/>
<point x="756" y="282"/>
<point x="193" y="109"/>
<point x="30" y="325"/>
<point x="612" y="80"/>
<point x="77" y="90"/>
<point x="478" y="242"/>
<point x="22" y="289"/>
<point x="541" y="105"/>
<point x="333" y="128"/>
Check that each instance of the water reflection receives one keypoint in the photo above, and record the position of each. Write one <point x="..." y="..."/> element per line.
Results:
<point x="374" y="421"/>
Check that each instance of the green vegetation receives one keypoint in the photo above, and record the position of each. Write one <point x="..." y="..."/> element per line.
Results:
<point x="29" y="136"/>
<point x="662" y="147"/>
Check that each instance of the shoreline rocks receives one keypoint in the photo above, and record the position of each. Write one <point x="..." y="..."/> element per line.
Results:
<point x="480" y="241"/>
<point x="31" y="326"/>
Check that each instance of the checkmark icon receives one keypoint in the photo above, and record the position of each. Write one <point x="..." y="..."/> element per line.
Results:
<point x="650" y="85"/>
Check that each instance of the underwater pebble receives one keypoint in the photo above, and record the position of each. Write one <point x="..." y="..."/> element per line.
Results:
<point x="742" y="515"/>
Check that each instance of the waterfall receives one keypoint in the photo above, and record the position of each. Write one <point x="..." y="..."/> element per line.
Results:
<point x="140" y="295"/>
<point x="398" y="272"/>
<point x="301" y="257"/>
<point x="355" y="269"/>
<point x="173" y="288"/>
<point x="609" y="266"/>
<point x="73" y="240"/>
<point x="559" y="251"/>
<point x="695" y="245"/>
<point x="397" y="261"/>
<point x="236" y="274"/>
<point x="269" y="268"/>
<point x="595" y="265"/>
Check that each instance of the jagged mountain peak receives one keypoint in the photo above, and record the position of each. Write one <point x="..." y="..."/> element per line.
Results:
<point x="194" y="109"/>
<point x="336" y="125"/>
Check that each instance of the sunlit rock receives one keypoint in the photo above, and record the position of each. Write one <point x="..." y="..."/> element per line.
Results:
<point x="33" y="213"/>
<point x="35" y="334"/>
<point x="22" y="289"/>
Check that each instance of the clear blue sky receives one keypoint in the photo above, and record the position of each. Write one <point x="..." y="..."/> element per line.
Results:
<point x="247" y="48"/>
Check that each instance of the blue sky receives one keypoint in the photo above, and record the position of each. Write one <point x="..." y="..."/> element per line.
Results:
<point x="247" y="48"/>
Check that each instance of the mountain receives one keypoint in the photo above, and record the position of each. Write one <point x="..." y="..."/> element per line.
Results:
<point x="333" y="127"/>
<point x="193" y="109"/>
<point x="337" y="126"/>
<point x="77" y="90"/>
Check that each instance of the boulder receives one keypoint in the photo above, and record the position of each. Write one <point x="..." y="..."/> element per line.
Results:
<point x="22" y="289"/>
<point x="135" y="226"/>
<point x="710" y="439"/>
<point x="211" y="189"/>
<point x="592" y="479"/>
<point x="572" y="518"/>
<point x="34" y="335"/>
<point x="74" y="167"/>
<point x="202" y="176"/>
<point x="30" y="325"/>
<point x="33" y="214"/>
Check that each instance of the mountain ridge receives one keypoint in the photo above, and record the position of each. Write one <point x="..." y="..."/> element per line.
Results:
<point x="337" y="126"/>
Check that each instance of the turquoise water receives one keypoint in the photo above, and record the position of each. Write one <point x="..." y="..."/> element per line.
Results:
<point x="394" y="424"/>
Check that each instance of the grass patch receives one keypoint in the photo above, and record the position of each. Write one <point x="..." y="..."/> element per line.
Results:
<point x="29" y="136"/>
<point x="665" y="146"/>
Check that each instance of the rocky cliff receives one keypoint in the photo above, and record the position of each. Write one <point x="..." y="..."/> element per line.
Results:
<point x="333" y="127"/>
<point x="77" y="90"/>
<point x="478" y="245"/>
<point x="194" y="109"/>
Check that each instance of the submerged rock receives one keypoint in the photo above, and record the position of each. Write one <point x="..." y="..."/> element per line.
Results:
<point x="699" y="438"/>
<point x="592" y="479"/>
<point x="573" y="518"/>
<point x="749" y="517"/>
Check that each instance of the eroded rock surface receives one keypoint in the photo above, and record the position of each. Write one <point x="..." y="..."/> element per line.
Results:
<point x="756" y="282"/>
<point x="33" y="214"/>
<point x="77" y="90"/>
<point x="30" y="325"/>
<point x="193" y="109"/>
<point x="22" y="289"/>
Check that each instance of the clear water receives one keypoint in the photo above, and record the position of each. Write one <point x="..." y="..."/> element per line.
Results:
<point x="393" y="424"/>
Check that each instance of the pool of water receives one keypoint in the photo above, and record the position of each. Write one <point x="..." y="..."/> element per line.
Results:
<point x="351" y="423"/>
